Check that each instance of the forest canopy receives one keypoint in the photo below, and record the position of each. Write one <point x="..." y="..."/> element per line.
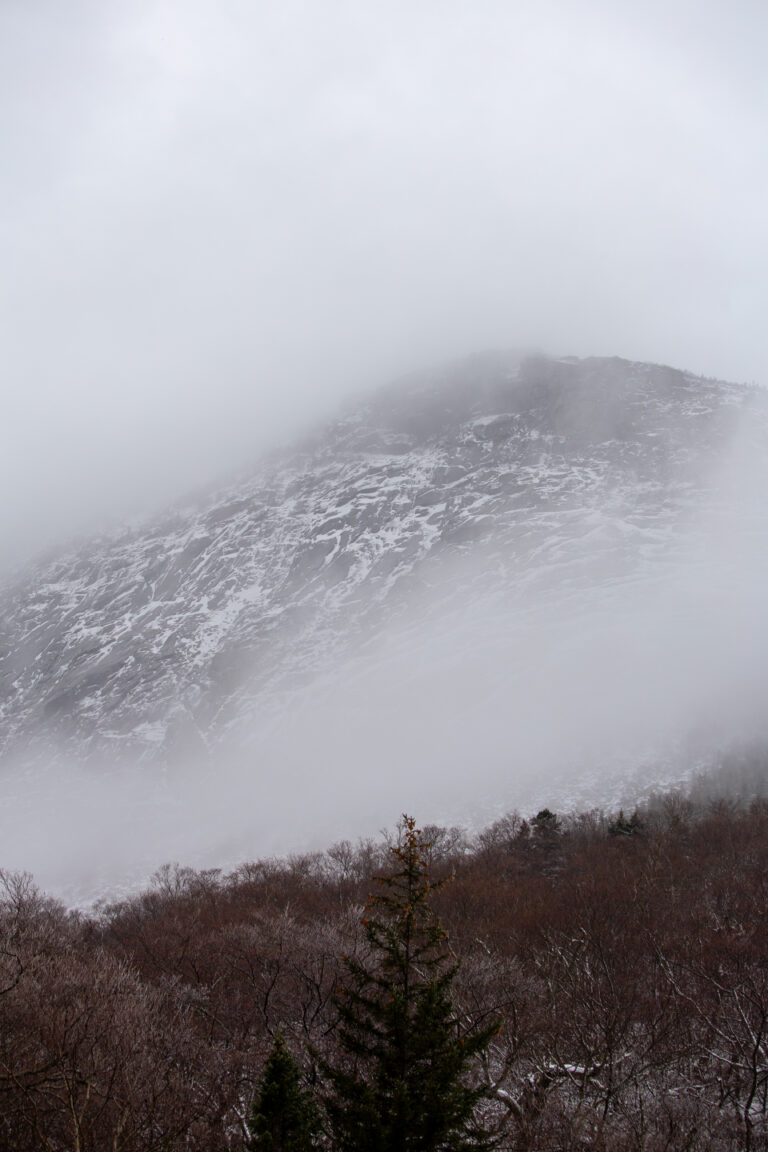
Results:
<point x="579" y="981"/>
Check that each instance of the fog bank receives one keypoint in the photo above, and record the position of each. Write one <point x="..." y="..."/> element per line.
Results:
<point x="217" y="220"/>
<point x="565" y="695"/>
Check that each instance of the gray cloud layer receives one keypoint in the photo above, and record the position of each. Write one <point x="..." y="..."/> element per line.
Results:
<point x="216" y="219"/>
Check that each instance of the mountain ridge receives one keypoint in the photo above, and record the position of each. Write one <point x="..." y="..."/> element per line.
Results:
<point x="159" y="636"/>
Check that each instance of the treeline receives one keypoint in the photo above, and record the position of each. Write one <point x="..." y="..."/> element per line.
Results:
<point x="615" y="968"/>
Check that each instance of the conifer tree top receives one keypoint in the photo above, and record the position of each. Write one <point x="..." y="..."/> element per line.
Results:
<point x="285" y="1117"/>
<point x="402" y="1081"/>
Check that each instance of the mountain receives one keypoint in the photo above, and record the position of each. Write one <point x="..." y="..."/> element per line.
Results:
<point x="551" y="542"/>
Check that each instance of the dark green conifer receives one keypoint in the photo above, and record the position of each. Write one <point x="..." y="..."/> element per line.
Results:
<point x="401" y="1083"/>
<point x="623" y="827"/>
<point x="285" y="1117"/>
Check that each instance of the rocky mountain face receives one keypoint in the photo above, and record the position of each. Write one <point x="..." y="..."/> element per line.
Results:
<point x="492" y="483"/>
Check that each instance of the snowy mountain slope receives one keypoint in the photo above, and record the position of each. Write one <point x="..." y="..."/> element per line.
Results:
<point x="495" y="485"/>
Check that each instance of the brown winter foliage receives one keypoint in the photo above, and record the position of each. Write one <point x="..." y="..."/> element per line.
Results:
<point x="628" y="960"/>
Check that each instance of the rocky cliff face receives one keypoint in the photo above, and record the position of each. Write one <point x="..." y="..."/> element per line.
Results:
<point x="486" y="484"/>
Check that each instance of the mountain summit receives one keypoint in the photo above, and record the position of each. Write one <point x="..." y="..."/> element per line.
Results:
<point x="528" y="510"/>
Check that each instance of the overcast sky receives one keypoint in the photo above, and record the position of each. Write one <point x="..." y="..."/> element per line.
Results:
<point x="217" y="217"/>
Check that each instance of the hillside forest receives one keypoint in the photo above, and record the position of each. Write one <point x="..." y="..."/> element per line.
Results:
<point x="570" y="982"/>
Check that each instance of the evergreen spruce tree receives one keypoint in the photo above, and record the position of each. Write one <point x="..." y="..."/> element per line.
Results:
<point x="401" y="1081"/>
<point x="285" y="1117"/>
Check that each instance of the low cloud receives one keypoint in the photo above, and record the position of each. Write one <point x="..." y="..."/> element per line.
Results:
<point x="218" y="222"/>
